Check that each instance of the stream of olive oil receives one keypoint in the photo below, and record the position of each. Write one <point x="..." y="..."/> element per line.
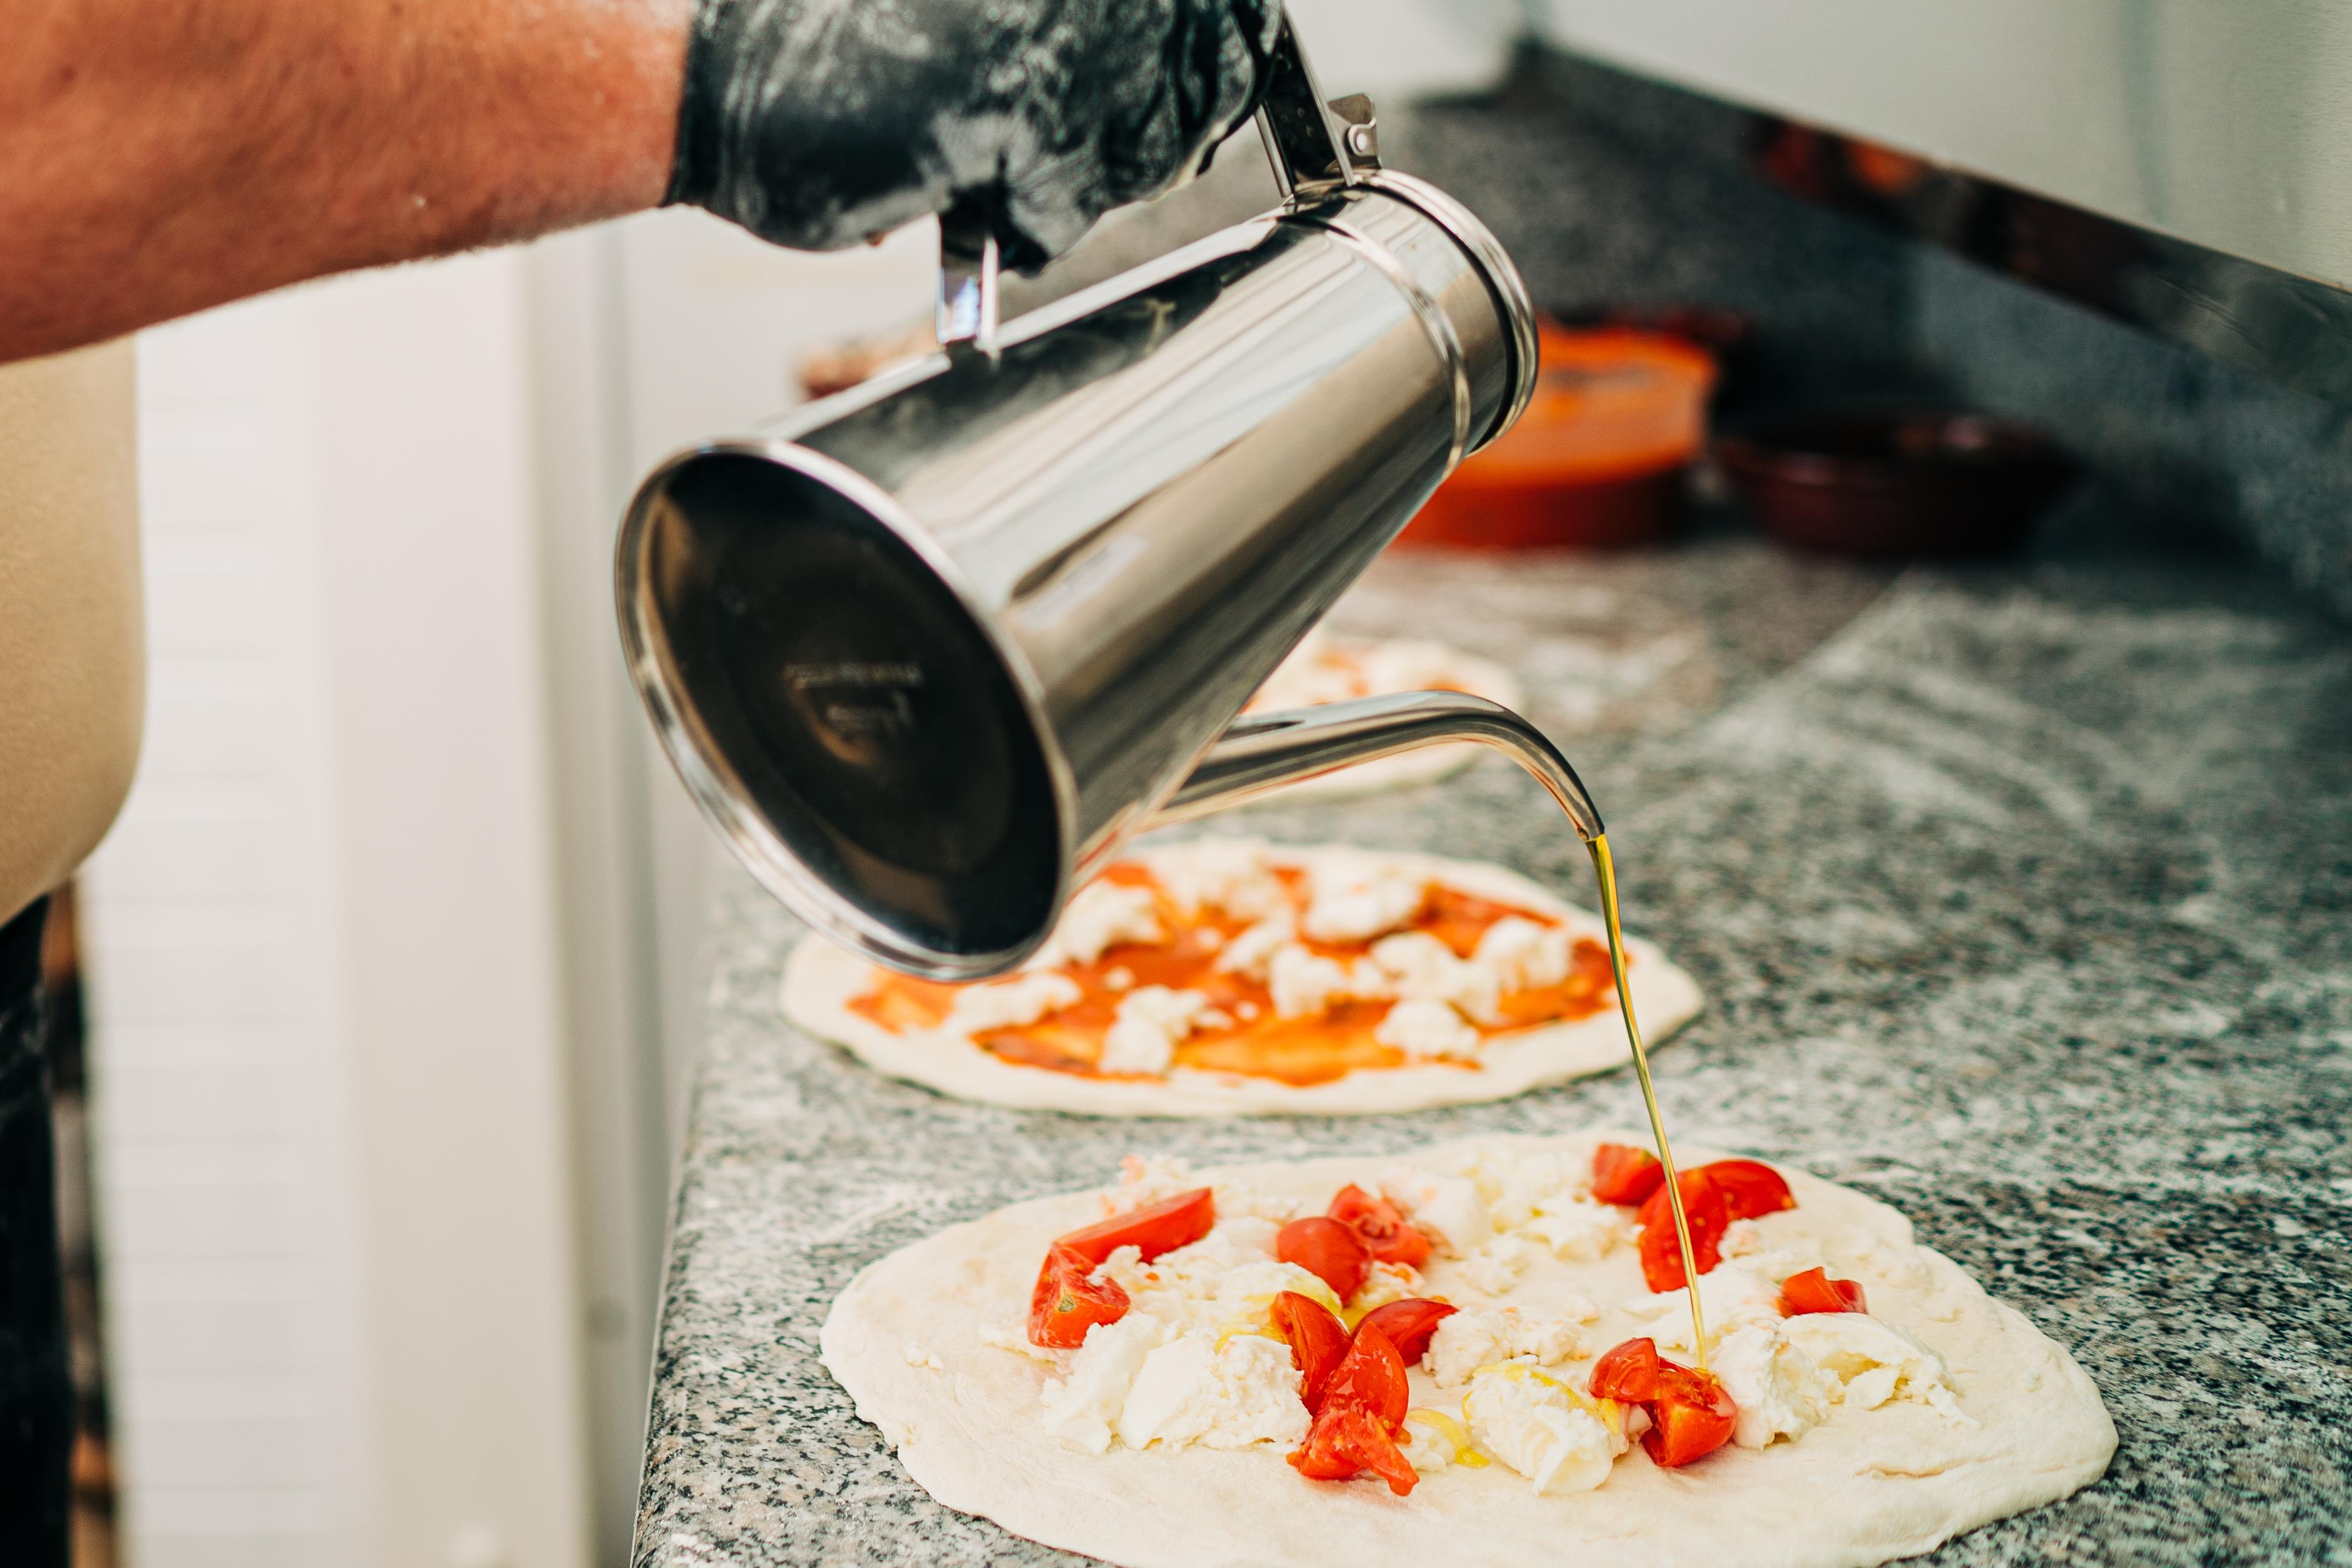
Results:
<point x="1607" y="868"/>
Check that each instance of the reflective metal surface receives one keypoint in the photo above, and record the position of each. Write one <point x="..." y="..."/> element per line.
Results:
<point x="1262" y="754"/>
<point x="929" y="651"/>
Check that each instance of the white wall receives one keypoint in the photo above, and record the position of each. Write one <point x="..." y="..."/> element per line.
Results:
<point x="329" y="1089"/>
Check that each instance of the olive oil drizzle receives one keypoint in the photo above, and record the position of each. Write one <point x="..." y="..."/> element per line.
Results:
<point x="1606" y="866"/>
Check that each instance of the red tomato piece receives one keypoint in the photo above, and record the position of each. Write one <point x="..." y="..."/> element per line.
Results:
<point x="1347" y="1439"/>
<point x="1371" y="1375"/>
<point x="1066" y="1303"/>
<point x="1662" y="1253"/>
<point x="1318" y="1343"/>
<point x="1750" y="1188"/>
<point x="1156" y="1227"/>
<point x="1327" y="1249"/>
<point x="1691" y="1417"/>
<point x="1624" y="1175"/>
<point x="1814" y="1291"/>
<point x="1627" y="1373"/>
<point x="1380" y="1226"/>
<point x="1408" y="1324"/>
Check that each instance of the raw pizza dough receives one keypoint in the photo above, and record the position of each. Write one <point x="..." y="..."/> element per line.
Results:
<point x="927" y="1342"/>
<point x="821" y="979"/>
<point x="1324" y="668"/>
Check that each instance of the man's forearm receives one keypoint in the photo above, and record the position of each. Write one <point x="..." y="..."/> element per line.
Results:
<point x="159" y="156"/>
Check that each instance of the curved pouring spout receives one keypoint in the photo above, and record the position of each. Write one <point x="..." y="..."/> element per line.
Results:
<point x="1260" y="755"/>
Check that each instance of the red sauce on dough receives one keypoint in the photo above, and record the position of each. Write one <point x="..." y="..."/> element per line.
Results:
<point x="1294" y="1051"/>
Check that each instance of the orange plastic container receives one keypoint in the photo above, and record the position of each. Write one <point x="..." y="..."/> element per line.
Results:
<point x="1599" y="457"/>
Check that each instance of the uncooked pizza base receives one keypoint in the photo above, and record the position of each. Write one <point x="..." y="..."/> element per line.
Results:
<point x="821" y="979"/>
<point x="1865" y="1488"/>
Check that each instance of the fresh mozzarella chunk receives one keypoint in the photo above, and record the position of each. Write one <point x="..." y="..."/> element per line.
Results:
<point x="1523" y="955"/>
<point x="1252" y="951"/>
<point x="1730" y="1296"/>
<point x="1421" y="968"/>
<point x="1521" y="1183"/>
<point x="1775" y="1252"/>
<point x="1011" y="1004"/>
<point x="1780" y="1391"/>
<point x="1539" y="1427"/>
<point x="1232" y="875"/>
<point x="1497" y="1263"/>
<point x="1404" y="665"/>
<point x="1100" y="916"/>
<point x="1386" y="1282"/>
<point x="1432" y="1439"/>
<point x="1873" y="1361"/>
<point x="1085" y="1407"/>
<point x="1355" y="900"/>
<point x="1578" y="1229"/>
<point x="1472" y="1338"/>
<point x="1147" y="1178"/>
<point x="1447" y="1207"/>
<point x="1429" y="1029"/>
<point x="1229" y="1396"/>
<point x="1307" y="984"/>
<point x="1235" y="1241"/>
<point x="1152" y="1020"/>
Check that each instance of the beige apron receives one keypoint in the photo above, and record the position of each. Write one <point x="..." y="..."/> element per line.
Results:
<point x="72" y="652"/>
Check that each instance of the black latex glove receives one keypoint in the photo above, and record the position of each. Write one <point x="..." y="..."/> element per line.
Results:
<point x="821" y="123"/>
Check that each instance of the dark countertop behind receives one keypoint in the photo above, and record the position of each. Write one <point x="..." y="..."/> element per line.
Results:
<point x="2022" y="898"/>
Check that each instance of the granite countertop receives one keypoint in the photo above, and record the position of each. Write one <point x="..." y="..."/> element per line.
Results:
<point x="2023" y="901"/>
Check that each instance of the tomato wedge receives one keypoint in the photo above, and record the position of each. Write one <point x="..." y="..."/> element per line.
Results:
<point x="1327" y="1249"/>
<point x="1750" y="1188"/>
<point x="1346" y="1440"/>
<point x="1371" y="1374"/>
<point x="1066" y="1303"/>
<point x="1319" y="1342"/>
<point x="1627" y="1373"/>
<point x="1624" y="1175"/>
<point x="1380" y="1226"/>
<point x="1156" y="1227"/>
<point x="1814" y="1291"/>
<point x="1662" y="1253"/>
<point x="1408" y="1324"/>
<point x="1691" y="1417"/>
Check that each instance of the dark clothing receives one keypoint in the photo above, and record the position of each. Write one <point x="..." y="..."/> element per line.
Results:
<point x="36" y="1389"/>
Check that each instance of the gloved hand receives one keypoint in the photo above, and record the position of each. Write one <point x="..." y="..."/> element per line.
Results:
<point x="821" y="123"/>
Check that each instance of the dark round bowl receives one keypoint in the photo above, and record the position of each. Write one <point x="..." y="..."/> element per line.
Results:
<point x="1892" y="483"/>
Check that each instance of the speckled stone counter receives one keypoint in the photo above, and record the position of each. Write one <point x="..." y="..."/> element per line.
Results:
<point x="2023" y="900"/>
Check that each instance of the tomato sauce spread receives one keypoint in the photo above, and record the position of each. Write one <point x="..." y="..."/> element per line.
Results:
<point x="1247" y="1036"/>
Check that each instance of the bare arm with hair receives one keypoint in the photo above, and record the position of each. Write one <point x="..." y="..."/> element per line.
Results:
<point x="159" y="156"/>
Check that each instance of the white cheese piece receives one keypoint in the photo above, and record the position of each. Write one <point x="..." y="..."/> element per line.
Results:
<point x="1429" y="1029"/>
<point x="1580" y="1229"/>
<point x="1421" y="968"/>
<point x="1447" y="1208"/>
<point x="1011" y="1004"/>
<point x="1151" y="1021"/>
<point x="1730" y="1296"/>
<point x="1521" y="1183"/>
<point x="1386" y="1282"/>
<point x="1473" y="1338"/>
<point x="1145" y="1179"/>
<point x="1228" y="1395"/>
<point x="1100" y="916"/>
<point x="1874" y="1361"/>
<point x="1431" y="1440"/>
<point x="1085" y="1407"/>
<point x="1251" y="952"/>
<point x="1355" y="900"/>
<point x="1772" y="1249"/>
<point x="1307" y="984"/>
<point x="1780" y="1391"/>
<point x="1404" y="664"/>
<point x="1496" y="1264"/>
<point x="1237" y="1240"/>
<point x="1523" y="955"/>
<point x="1231" y="876"/>
<point x="1539" y="1427"/>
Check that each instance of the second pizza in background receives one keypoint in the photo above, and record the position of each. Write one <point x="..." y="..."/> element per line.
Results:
<point x="1328" y="668"/>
